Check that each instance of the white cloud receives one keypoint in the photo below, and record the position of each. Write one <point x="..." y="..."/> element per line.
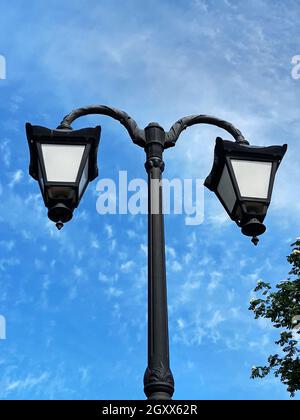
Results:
<point x="78" y="272"/>
<point x="5" y="152"/>
<point x="131" y="233"/>
<point x="16" y="178"/>
<point x="94" y="242"/>
<point x="214" y="282"/>
<point x="111" y="278"/>
<point x="144" y="249"/>
<point x="187" y="291"/>
<point x="84" y="375"/>
<point x="127" y="266"/>
<point x="170" y="251"/>
<point x="176" y="267"/>
<point x="180" y="323"/>
<point x="216" y="319"/>
<point x="27" y="383"/>
<point x="114" y="292"/>
<point x="113" y="245"/>
<point x="109" y="231"/>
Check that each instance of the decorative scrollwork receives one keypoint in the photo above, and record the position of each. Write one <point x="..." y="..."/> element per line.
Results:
<point x="154" y="163"/>
<point x="137" y="134"/>
<point x="159" y="374"/>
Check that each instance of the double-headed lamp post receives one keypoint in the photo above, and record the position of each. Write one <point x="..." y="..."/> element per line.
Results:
<point x="64" y="161"/>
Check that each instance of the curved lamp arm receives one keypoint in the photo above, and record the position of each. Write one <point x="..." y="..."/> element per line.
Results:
<point x="137" y="135"/>
<point x="177" y="128"/>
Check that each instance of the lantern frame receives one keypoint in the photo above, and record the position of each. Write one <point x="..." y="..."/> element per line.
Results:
<point x="245" y="208"/>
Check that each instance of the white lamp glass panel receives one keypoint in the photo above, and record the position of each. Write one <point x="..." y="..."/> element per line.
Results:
<point x="62" y="162"/>
<point x="84" y="177"/>
<point x="226" y="191"/>
<point x="253" y="177"/>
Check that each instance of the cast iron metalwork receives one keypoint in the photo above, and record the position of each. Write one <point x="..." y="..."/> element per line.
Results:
<point x="62" y="198"/>
<point x="137" y="135"/>
<point x="158" y="378"/>
<point x="186" y="122"/>
<point x="248" y="212"/>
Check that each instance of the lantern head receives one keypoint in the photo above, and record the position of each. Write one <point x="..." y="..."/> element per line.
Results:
<point x="242" y="177"/>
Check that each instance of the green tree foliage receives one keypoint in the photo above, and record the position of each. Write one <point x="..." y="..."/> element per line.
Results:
<point x="282" y="307"/>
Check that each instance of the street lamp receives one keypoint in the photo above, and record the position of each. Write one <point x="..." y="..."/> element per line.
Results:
<point x="242" y="177"/>
<point x="63" y="161"/>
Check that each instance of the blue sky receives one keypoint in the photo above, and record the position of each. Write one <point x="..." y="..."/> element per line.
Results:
<point x="75" y="300"/>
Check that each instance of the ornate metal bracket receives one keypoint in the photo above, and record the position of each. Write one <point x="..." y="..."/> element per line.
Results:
<point x="137" y="134"/>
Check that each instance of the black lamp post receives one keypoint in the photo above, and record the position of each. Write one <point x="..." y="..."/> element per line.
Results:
<point x="64" y="161"/>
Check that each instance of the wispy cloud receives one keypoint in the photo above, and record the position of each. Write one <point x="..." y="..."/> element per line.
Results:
<point x="27" y="383"/>
<point x="16" y="178"/>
